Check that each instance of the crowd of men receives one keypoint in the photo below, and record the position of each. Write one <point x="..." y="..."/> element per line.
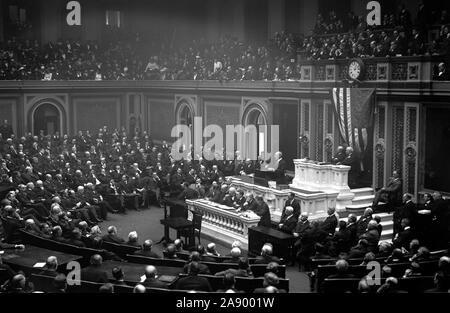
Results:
<point x="133" y="58"/>
<point x="60" y="181"/>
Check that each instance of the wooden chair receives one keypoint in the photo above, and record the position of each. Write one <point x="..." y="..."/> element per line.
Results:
<point x="219" y="267"/>
<point x="259" y="270"/>
<point x="340" y="285"/>
<point x="119" y="249"/>
<point x="154" y="261"/>
<point x="43" y="283"/>
<point x="249" y="284"/>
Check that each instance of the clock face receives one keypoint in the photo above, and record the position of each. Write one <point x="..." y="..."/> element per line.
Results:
<point x="354" y="69"/>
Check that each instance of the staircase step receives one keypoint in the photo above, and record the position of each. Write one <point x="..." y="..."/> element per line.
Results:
<point x="367" y="191"/>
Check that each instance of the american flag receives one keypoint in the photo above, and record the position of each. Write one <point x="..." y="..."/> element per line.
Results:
<point x="354" y="109"/>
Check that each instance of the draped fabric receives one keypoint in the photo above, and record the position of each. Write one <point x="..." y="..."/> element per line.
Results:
<point x="354" y="108"/>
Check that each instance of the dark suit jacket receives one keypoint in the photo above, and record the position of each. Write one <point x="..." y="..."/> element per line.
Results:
<point x="193" y="283"/>
<point x="266" y="259"/>
<point x="113" y="238"/>
<point x="329" y="224"/>
<point x="353" y="237"/>
<point x="288" y="224"/>
<point x="263" y="211"/>
<point x="154" y="283"/>
<point x="147" y="253"/>
<point x="94" y="274"/>
<point x="403" y="239"/>
<point x="295" y="205"/>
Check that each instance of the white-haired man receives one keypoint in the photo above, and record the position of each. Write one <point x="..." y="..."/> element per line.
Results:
<point x="133" y="239"/>
<point x="288" y="221"/>
<point x="112" y="236"/>
<point x="266" y="255"/>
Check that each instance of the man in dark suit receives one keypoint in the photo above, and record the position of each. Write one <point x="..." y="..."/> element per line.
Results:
<point x="280" y="168"/>
<point x="339" y="157"/>
<point x="351" y="160"/>
<point x="50" y="268"/>
<point x="404" y="237"/>
<point x="390" y="194"/>
<point x="202" y="268"/>
<point x="292" y="202"/>
<point x="352" y="230"/>
<point x="263" y="212"/>
<point x="270" y="280"/>
<point x="330" y="223"/>
<point x="266" y="255"/>
<point x="193" y="281"/>
<point x="341" y="270"/>
<point x="363" y="221"/>
<point x="408" y="210"/>
<point x="187" y="193"/>
<point x="442" y="73"/>
<point x="250" y="204"/>
<point x="288" y="221"/>
<point x="93" y="272"/>
<point x="147" y="250"/>
<point x="112" y="236"/>
<point x="151" y="278"/>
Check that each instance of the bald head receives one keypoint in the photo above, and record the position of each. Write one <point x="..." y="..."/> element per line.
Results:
<point x="52" y="262"/>
<point x="235" y="252"/>
<point x="96" y="260"/>
<point x="139" y="289"/>
<point x="150" y="271"/>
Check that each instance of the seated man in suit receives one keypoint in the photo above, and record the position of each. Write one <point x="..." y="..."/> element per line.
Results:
<point x="147" y="250"/>
<point x="250" y="204"/>
<point x="263" y="211"/>
<point x="361" y="224"/>
<point x="171" y="252"/>
<point x="133" y="239"/>
<point x="195" y="257"/>
<point x="193" y="281"/>
<point x="112" y="236"/>
<point x="151" y="278"/>
<point x="242" y="271"/>
<point x="93" y="272"/>
<point x="119" y="277"/>
<point x="292" y="202"/>
<point x="229" y="281"/>
<point x="330" y="223"/>
<point x="270" y="280"/>
<point x="404" y="237"/>
<point x="288" y="221"/>
<point x="187" y="193"/>
<point x="266" y="255"/>
<point x="341" y="270"/>
<point x="50" y="268"/>
<point x="390" y="194"/>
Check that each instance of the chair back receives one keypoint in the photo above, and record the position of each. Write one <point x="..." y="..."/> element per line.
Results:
<point x="197" y="221"/>
<point x="180" y="255"/>
<point x="340" y="285"/>
<point x="139" y="259"/>
<point x="247" y="284"/>
<point x="259" y="270"/>
<point x="219" y="267"/>
<point x="119" y="249"/>
<point x="43" y="283"/>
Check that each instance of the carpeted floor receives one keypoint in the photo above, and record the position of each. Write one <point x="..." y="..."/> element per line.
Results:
<point x="146" y="224"/>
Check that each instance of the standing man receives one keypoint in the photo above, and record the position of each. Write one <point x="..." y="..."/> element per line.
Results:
<point x="263" y="212"/>
<point x="292" y="202"/>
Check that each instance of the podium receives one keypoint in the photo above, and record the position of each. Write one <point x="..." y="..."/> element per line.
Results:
<point x="323" y="177"/>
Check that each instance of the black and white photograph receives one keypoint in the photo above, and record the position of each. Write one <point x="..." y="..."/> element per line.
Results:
<point x="193" y="149"/>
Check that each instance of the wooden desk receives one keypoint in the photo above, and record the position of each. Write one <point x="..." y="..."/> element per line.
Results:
<point x="258" y="236"/>
<point x="133" y="271"/>
<point x="27" y="258"/>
